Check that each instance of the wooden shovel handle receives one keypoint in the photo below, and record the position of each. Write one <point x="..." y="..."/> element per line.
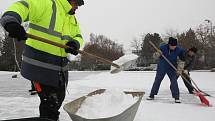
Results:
<point x="79" y="51"/>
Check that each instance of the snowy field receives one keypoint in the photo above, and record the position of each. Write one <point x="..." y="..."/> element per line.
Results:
<point x="15" y="101"/>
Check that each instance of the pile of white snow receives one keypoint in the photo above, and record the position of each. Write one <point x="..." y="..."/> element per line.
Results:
<point x="108" y="104"/>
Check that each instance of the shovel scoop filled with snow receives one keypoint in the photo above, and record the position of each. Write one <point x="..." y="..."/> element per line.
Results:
<point x="124" y="62"/>
<point x="105" y="105"/>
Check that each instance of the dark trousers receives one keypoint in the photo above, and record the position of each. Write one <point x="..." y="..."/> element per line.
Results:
<point x="173" y="82"/>
<point x="188" y="83"/>
<point x="51" y="99"/>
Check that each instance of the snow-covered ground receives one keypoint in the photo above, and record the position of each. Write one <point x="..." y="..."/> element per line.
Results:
<point x="15" y="101"/>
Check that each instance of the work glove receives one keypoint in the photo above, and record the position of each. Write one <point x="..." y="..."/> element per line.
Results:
<point x="15" y="30"/>
<point x="180" y="66"/>
<point x="185" y="71"/>
<point x="73" y="47"/>
<point x="179" y="71"/>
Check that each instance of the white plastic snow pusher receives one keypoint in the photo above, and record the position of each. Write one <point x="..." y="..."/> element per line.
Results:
<point x="127" y="115"/>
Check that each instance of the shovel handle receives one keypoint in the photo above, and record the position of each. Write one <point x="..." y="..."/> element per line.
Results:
<point x="158" y="50"/>
<point x="79" y="51"/>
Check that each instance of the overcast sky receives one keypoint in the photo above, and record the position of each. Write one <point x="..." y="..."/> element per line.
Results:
<point x="122" y="20"/>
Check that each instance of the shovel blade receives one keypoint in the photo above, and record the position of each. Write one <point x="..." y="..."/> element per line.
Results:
<point x="124" y="62"/>
<point x="116" y="70"/>
<point x="202" y="98"/>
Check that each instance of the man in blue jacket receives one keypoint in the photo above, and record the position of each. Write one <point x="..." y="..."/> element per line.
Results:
<point x="171" y="51"/>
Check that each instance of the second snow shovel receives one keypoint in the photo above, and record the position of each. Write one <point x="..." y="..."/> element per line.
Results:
<point x="115" y="70"/>
<point x="197" y="92"/>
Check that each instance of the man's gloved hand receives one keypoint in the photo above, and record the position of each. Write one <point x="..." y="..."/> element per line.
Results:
<point x="180" y="66"/>
<point x="179" y="71"/>
<point x="185" y="71"/>
<point x="74" y="47"/>
<point x="15" y="30"/>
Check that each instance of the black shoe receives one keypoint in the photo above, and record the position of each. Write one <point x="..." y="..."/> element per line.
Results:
<point x="151" y="97"/>
<point x="177" y="101"/>
<point x="33" y="92"/>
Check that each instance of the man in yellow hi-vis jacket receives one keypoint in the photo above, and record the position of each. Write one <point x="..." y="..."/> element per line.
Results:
<point x="45" y="64"/>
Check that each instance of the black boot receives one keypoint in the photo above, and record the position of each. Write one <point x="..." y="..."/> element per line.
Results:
<point x="151" y="97"/>
<point x="177" y="100"/>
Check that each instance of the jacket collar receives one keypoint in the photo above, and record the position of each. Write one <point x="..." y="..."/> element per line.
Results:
<point x="66" y="6"/>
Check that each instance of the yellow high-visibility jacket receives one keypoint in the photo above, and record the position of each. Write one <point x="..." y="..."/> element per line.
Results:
<point x="49" y="19"/>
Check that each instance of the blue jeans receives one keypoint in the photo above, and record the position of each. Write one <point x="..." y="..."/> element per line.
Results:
<point x="173" y="82"/>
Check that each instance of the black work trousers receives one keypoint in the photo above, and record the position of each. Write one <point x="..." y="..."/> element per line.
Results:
<point x="51" y="99"/>
<point x="188" y="83"/>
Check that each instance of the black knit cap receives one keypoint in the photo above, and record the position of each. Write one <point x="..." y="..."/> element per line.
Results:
<point x="78" y="2"/>
<point x="172" y="41"/>
<point x="193" y="49"/>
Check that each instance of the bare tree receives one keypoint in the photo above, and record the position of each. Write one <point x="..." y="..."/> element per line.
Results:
<point x="202" y="34"/>
<point x="188" y="39"/>
<point x="103" y="47"/>
<point x="136" y="44"/>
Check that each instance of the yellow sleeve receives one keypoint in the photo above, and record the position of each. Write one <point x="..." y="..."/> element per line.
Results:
<point x="28" y="9"/>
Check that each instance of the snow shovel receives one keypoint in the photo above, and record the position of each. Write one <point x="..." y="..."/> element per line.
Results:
<point x="125" y="62"/>
<point x="187" y="76"/>
<point x="206" y="94"/>
<point x="115" y="70"/>
<point x="127" y="115"/>
<point x="196" y="92"/>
